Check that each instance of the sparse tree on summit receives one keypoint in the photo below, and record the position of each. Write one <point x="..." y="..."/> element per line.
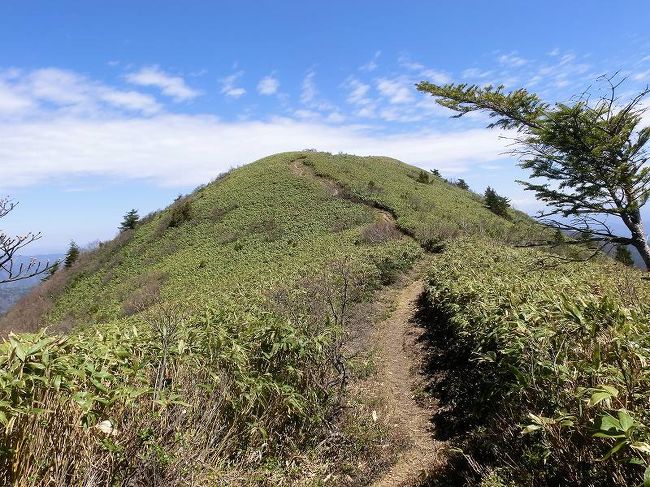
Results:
<point x="590" y="155"/>
<point x="462" y="184"/>
<point x="72" y="255"/>
<point x="131" y="219"/>
<point x="496" y="204"/>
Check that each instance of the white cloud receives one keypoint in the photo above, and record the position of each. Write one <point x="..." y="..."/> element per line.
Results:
<point x="358" y="92"/>
<point x="642" y="76"/>
<point x="172" y="86"/>
<point x="59" y="86"/>
<point x="434" y="75"/>
<point x="512" y="60"/>
<point x="372" y="64"/>
<point x="268" y="85"/>
<point x="229" y="85"/>
<point x="131" y="100"/>
<point x="475" y="73"/>
<point x="63" y="91"/>
<point x="437" y="77"/>
<point x="176" y="150"/>
<point x="397" y="90"/>
<point x="309" y="90"/>
<point x="13" y="102"/>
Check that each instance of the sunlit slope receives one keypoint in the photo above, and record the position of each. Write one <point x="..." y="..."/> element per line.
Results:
<point x="256" y="226"/>
<point x="271" y="221"/>
<point x="435" y="210"/>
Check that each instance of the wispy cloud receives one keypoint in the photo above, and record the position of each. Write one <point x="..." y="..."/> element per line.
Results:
<point x="172" y="86"/>
<point x="397" y="90"/>
<point x="309" y="90"/>
<point x="512" y="60"/>
<point x="229" y="85"/>
<point x="357" y="91"/>
<point x="131" y="100"/>
<point x="372" y="64"/>
<point x="268" y="85"/>
<point x="423" y="72"/>
<point x="642" y="76"/>
<point x="63" y="91"/>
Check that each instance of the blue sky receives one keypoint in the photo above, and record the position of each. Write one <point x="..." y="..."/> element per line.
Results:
<point x="106" y="106"/>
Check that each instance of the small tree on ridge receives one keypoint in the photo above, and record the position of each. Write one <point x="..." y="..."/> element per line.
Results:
<point x="131" y="219"/>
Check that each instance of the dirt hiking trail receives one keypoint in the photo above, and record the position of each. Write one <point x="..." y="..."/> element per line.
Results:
<point x="399" y="358"/>
<point x="396" y="338"/>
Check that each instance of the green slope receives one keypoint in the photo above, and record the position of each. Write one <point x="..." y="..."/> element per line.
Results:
<point x="211" y="337"/>
<point x="546" y="359"/>
<point x="226" y="340"/>
<point x="268" y="222"/>
<point x="256" y="226"/>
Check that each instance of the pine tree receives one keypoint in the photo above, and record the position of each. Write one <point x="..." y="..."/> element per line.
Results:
<point x="72" y="255"/>
<point x="131" y="219"/>
<point x="497" y="204"/>
<point x="462" y="184"/>
<point x="587" y="158"/>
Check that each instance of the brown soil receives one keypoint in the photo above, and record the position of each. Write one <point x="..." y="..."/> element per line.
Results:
<point x="397" y="339"/>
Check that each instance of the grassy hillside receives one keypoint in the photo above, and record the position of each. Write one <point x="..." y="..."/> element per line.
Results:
<point x="210" y="342"/>
<point x="227" y="340"/>
<point x="240" y="235"/>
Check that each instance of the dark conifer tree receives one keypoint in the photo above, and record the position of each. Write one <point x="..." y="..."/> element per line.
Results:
<point x="131" y="219"/>
<point x="71" y="255"/>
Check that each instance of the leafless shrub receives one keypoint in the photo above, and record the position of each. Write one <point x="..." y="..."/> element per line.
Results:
<point x="269" y="227"/>
<point x="219" y="212"/>
<point x="328" y="298"/>
<point x="380" y="232"/>
<point x="145" y="294"/>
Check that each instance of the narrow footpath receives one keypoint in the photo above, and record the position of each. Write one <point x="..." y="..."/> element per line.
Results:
<point x="396" y="338"/>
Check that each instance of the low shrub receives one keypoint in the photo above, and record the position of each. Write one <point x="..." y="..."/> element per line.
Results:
<point x="145" y="293"/>
<point x="219" y="212"/>
<point x="379" y="232"/>
<point x="561" y="390"/>
<point x="152" y="403"/>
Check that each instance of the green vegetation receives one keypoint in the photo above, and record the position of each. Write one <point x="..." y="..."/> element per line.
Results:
<point x="590" y="154"/>
<point x="226" y="340"/>
<point x="497" y="204"/>
<point x="130" y="220"/>
<point x="557" y="387"/>
<point x="206" y="342"/>
<point x="431" y="213"/>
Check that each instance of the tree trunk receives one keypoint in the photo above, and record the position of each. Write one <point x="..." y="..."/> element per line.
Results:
<point x="640" y="243"/>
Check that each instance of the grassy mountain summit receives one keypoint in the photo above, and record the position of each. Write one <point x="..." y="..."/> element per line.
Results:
<point x="232" y="339"/>
<point x="270" y="221"/>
